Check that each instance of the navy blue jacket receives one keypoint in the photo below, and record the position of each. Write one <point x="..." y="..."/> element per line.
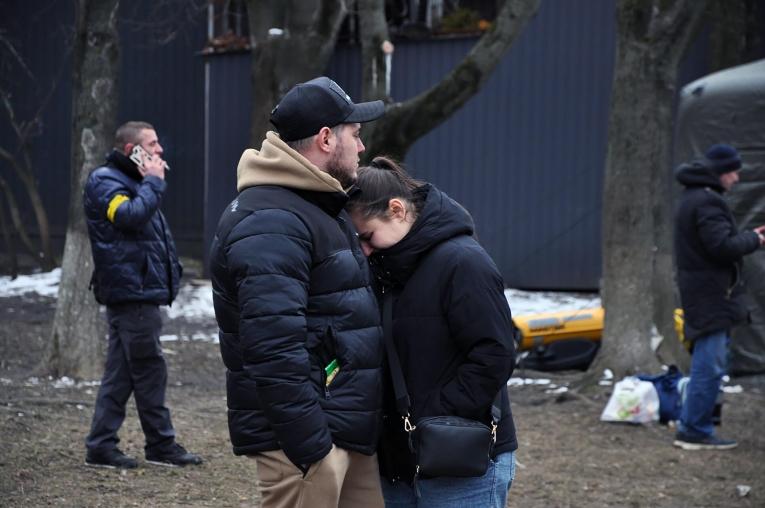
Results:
<point x="133" y="250"/>
<point x="291" y="290"/>
<point x="709" y="251"/>
<point x="452" y="327"/>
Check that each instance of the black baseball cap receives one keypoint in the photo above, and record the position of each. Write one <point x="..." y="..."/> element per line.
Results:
<point x="318" y="103"/>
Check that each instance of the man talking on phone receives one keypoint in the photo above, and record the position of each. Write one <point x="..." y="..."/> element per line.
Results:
<point x="136" y="271"/>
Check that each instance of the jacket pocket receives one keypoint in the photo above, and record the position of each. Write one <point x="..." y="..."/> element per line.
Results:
<point x="142" y="333"/>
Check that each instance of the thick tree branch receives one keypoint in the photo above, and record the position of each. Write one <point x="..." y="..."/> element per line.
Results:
<point x="406" y="122"/>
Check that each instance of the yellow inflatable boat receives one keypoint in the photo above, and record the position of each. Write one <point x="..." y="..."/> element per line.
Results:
<point x="548" y="327"/>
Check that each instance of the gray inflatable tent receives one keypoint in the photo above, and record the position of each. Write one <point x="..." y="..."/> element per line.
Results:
<point x="729" y="107"/>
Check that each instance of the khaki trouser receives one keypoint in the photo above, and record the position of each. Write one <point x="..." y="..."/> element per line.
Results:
<point x="342" y="479"/>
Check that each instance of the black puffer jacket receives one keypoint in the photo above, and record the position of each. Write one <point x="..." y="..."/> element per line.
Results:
<point x="708" y="249"/>
<point x="291" y="290"/>
<point x="133" y="250"/>
<point x="451" y="325"/>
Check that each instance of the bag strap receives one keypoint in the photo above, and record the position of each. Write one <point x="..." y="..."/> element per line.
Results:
<point x="394" y="364"/>
<point x="397" y="376"/>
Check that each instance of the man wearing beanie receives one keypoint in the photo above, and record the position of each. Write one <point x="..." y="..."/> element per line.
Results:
<point x="709" y="250"/>
<point x="298" y="322"/>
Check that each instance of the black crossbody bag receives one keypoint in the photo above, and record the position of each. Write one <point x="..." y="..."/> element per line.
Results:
<point x="442" y="445"/>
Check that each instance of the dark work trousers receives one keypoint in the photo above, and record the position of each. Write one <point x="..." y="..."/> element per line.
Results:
<point x="134" y="364"/>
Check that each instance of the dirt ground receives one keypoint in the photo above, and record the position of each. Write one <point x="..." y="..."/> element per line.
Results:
<point x="567" y="457"/>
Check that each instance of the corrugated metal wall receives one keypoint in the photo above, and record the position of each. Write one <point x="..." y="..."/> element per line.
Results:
<point x="228" y="124"/>
<point x="38" y="31"/>
<point x="526" y="155"/>
<point x="164" y="85"/>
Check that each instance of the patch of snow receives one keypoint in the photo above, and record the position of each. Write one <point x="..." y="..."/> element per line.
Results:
<point x="45" y="284"/>
<point x="64" y="382"/>
<point x="533" y="302"/>
<point x="168" y="338"/>
<point x="194" y="301"/>
<point x="206" y="337"/>
<point x="556" y="391"/>
<point x="733" y="389"/>
<point x="519" y="381"/>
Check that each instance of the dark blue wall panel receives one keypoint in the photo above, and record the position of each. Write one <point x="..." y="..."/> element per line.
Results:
<point x="39" y="31"/>
<point x="163" y="84"/>
<point x="230" y="102"/>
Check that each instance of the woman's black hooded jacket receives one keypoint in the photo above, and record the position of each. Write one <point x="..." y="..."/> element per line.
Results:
<point x="451" y="326"/>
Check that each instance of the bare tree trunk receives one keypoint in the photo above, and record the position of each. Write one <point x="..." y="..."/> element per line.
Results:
<point x="637" y="218"/>
<point x="404" y="123"/>
<point x="374" y="31"/>
<point x="292" y="42"/>
<point x="76" y="343"/>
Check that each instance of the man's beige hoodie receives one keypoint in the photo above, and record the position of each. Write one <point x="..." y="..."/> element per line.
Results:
<point x="278" y="164"/>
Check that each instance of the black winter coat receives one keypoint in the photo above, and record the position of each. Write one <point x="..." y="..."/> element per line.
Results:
<point x="451" y="325"/>
<point x="133" y="251"/>
<point x="709" y="250"/>
<point x="291" y="290"/>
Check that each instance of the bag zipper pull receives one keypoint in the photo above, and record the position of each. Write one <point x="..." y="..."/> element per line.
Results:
<point x="415" y="485"/>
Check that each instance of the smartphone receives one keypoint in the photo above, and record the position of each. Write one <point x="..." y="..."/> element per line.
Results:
<point x="138" y="154"/>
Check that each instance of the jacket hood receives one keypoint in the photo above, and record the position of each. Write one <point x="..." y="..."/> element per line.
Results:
<point x="440" y="219"/>
<point x="698" y="174"/>
<point x="278" y="164"/>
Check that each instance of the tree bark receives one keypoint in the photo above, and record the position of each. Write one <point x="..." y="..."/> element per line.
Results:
<point x="76" y="344"/>
<point x="638" y="285"/>
<point x="404" y="123"/>
<point x="298" y="52"/>
<point x="374" y="31"/>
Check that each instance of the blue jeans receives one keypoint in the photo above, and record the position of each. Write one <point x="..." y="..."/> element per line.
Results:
<point x="708" y="366"/>
<point x="487" y="491"/>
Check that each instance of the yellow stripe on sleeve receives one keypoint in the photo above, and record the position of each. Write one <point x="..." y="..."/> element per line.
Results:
<point x="114" y="204"/>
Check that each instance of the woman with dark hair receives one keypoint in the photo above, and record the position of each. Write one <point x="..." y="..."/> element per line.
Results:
<point x="451" y="326"/>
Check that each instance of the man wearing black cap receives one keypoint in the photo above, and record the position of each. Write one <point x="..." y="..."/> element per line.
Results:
<point x="709" y="251"/>
<point x="298" y="321"/>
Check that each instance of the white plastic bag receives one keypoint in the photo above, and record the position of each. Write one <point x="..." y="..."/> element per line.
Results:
<point x="633" y="401"/>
